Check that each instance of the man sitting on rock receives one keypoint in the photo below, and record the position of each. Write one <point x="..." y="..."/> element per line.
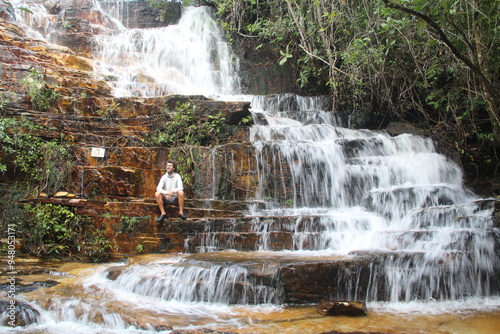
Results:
<point x="170" y="191"/>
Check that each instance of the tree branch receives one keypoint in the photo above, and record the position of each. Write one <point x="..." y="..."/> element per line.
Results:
<point x="324" y="61"/>
<point x="441" y="36"/>
<point x="489" y="92"/>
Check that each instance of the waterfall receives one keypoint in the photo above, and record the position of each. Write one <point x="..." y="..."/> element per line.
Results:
<point x="117" y="10"/>
<point x="197" y="282"/>
<point x="392" y="202"/>
<point x="191" y="57"/>
<point x="38" y="24"/>
<point x="359" y="191"/>
<point x="290" y="107"/>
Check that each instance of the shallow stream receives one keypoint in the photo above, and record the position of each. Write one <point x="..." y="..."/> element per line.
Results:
<point x="85" y="301"/>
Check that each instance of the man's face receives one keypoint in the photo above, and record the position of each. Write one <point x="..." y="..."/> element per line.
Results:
<point x="170" y="168"/>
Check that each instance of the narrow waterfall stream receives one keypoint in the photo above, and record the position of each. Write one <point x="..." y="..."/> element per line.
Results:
<point x="190" y="57"/>
<point x="391" y="203"/>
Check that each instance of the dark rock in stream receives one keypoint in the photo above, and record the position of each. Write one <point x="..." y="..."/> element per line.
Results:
<point x="342" y="307"/>
<point x="114" y="272"/>
<point x="398" y="128"/>
<point x="23" y="288"/>
<point x="17" y="313"/>
<point x="496" y="214"/>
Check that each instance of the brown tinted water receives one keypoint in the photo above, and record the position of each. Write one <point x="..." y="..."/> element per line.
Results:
<point x="75" y="284"/>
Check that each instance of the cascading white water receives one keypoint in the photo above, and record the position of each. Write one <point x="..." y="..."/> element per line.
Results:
<point x="196" y="282"/>
<point x="191" y="57"/>
<point x="38" y="24"/>
<point x="364" y="191"/>
<point x="117" y="10"/>
<point x="306" y="110"/>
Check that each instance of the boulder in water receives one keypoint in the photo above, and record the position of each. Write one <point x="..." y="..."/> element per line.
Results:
<point x="398" y="128"/>
<point x="114" y="272"/>
<point x="342" y="307"/>
<point x="17" y="313"/>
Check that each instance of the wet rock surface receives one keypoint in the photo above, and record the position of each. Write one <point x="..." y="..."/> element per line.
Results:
<point x="123" y="181"/>
<point x="295" y="319"/>
<point x="18" y="313"/>
<point x="342" y="307"/>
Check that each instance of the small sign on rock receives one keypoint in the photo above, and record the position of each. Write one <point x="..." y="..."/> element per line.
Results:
<point x="98" y="152"/>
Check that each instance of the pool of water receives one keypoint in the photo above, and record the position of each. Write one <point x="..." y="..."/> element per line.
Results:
<point x="83" y="301"/>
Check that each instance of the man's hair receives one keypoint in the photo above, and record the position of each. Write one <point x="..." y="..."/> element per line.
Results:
<point x="173" y="163"/>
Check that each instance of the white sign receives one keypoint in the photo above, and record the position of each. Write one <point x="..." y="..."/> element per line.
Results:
<point x="98" y="152"/>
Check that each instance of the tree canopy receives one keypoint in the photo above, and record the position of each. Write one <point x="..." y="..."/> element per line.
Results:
<point x="431" y="63"/>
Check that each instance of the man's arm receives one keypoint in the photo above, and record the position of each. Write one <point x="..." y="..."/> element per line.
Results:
<point x="178" y="184"/>
<point x="161" y="186"/>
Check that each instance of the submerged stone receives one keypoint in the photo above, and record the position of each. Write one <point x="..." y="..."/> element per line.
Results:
<point x="342" y="307"/>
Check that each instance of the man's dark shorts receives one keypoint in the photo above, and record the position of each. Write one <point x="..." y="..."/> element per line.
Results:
<point x="173" y="200"/>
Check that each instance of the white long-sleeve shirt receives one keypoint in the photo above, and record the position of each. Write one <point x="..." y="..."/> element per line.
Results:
<point x="170" y="183"/>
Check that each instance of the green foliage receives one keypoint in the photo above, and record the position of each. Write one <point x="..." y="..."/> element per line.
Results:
<point x="6" y="6"/>
<point x="43" y="164"/>
<point x="139" y="248"/>
<point x="275" y="23"/>
<point x="10" y="211"/>
<point x="54" y="230"/>
<point x="167" y="8"/>
<point x="3" y="101"/>
<point x="246" y="120"/>
<point x="128" y="224"/>
<point x="389" y="62"/>
<point x="183" y="131"/>
<point x="41" y="95"/>
<point x="187" y="158"/>
<point x="18" y="143"/>
<point x="285" y="55"/>
<point x="186" y="128"/>
<point x="461" y="37"/>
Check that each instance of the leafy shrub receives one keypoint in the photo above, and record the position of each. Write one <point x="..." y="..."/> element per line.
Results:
<point x="43" y="164"/>
<point x="55" y="230"/>
<point x="128" y="224"/>
<point x="185" y="127"/>
<point x="41" y="95"/>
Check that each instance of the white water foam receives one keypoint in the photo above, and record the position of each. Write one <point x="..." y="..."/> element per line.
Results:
<point x="191" y="57"/>
<point x="361" y="192"/>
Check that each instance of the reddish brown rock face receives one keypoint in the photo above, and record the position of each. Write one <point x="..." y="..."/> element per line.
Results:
<point x="121" y="182"/>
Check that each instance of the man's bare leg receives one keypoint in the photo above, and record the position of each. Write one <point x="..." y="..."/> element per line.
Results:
<point x="159" y="201"/>
<point x="180" y="199"/>
<point x="161" y="206"/>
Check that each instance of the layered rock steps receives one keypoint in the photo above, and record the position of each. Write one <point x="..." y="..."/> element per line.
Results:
<point x="212" y="225"/>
